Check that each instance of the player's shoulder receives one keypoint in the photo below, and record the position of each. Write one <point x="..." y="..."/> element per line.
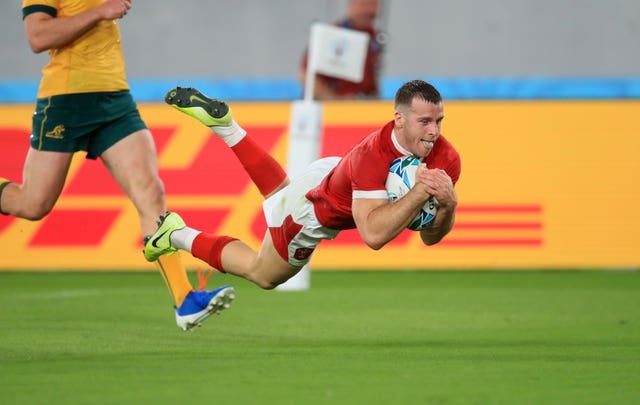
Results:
<point x="374" y="146"/>
<point x="372" y="152"/>
<point x="446" y="149"/>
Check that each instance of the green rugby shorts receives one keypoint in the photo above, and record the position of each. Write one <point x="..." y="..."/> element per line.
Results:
<point x="90" y="122"/>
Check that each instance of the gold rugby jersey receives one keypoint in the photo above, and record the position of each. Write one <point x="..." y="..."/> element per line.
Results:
<point x="92" y="63"/>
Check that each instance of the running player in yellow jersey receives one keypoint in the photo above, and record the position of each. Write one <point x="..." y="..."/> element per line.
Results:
<point x="84" y="104"/>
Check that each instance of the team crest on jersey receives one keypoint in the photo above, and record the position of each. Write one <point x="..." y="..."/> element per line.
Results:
<point x="302" y="253"/>
<point x="56" y="133"/>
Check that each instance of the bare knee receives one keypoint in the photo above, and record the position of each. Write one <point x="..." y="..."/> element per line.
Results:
<point x="35" y="211"/>
<point x="24" y="203"/>
<point x="260" y="278"/>
<point x="266" y="284"/>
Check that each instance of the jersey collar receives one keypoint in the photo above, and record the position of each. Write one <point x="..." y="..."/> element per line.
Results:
<point x="399" y="148"/>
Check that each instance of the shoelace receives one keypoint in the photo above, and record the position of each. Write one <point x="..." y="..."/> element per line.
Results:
<point x="203" y="277"/>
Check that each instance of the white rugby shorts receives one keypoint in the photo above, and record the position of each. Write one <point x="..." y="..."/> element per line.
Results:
<point x="291" y="219"/>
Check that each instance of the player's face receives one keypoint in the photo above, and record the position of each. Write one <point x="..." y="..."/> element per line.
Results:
<point x="418" y="127"/>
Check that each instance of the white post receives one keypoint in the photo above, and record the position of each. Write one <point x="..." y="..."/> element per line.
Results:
<point x="304" y="148"/>
<point x="305" y="127"/>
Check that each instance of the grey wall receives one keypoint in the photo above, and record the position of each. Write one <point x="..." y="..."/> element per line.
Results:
<point x="257" y="38"/>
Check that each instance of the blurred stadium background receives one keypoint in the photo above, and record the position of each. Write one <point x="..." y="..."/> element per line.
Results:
<point x="542" y="99"/>
<point x="464" y="41"/>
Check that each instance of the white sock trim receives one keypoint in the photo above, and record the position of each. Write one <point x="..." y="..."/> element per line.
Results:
<point x="231" y="135"/>
<point x="183" y="238"/>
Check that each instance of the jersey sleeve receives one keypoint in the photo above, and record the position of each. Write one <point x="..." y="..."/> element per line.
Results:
<point x="40" y="6"/>
<point x="368" y="174"/>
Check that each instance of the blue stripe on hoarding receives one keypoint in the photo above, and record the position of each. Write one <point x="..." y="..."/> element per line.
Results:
<point x="528" y="88"/>
<point x="452" y="88"/>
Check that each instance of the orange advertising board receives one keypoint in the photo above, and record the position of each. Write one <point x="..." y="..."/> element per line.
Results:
<point x="544" y="185"/>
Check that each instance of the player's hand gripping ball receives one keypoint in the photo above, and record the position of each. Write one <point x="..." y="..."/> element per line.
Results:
<point x="401" y="178"/>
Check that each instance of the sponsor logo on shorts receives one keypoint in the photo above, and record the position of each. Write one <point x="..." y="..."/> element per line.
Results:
<point x="56" y="133"/>
<point x="302" y="253"/>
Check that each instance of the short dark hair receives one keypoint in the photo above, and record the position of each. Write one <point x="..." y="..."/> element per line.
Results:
<point x="417" y="88"/>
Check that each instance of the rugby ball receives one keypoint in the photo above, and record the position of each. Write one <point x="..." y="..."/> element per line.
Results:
<point x="401" y="178"/>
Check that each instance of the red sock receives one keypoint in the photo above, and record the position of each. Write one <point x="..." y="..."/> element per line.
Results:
<point x="208" y="247"/>
<point x="265" y="172"/>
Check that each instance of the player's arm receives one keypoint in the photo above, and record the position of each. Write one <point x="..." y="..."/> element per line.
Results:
<point x="47" y="32"/>
<point x="438" y="183"/>
<point x="379" y="221"/>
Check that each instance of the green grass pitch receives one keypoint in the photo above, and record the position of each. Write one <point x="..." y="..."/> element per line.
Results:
<point x="355" y="338"/>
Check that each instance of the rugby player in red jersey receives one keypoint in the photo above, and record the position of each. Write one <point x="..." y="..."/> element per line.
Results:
<point x="333" y="194"/>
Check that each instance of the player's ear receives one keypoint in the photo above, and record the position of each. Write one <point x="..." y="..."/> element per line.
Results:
<point x="398" y="119"/>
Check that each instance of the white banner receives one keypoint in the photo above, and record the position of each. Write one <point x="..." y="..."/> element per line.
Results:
<point x="338" y="52"/>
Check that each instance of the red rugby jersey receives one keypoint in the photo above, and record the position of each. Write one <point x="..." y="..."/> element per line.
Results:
<point x="362" y="173"/>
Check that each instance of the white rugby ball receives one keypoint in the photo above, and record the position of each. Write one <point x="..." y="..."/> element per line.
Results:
<point x="401" y="178"/>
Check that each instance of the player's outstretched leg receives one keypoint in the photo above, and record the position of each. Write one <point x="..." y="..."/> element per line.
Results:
<point x="199" y="305"/>
<point x="215" y="114"/>
<point x="265" y="172"/>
